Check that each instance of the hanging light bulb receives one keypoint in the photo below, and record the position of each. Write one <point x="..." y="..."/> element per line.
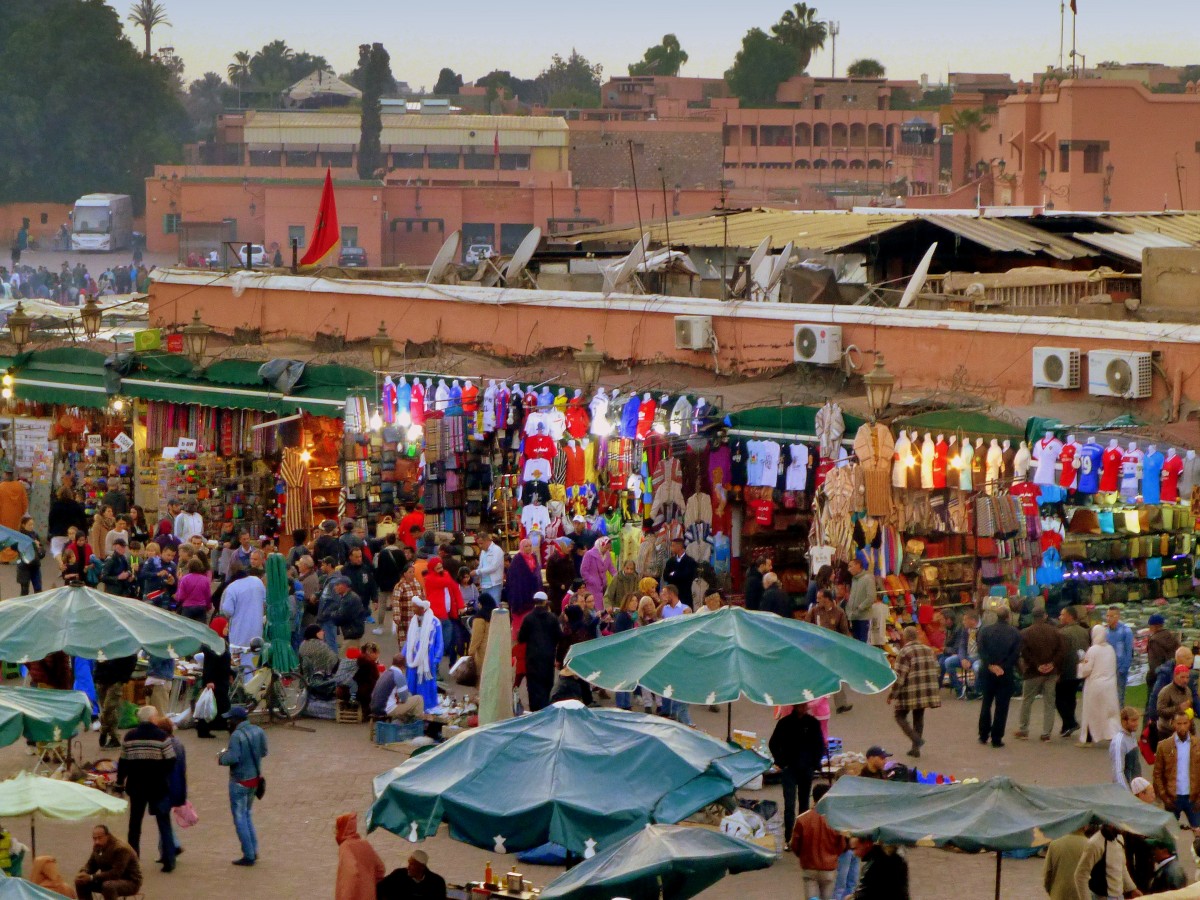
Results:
<point x="305" y="457"/>
<point x="403" y="418"/>
<point x="6" y="393"/>
<point x="8" y="380"/>
<point x="118" y="405"/>
<point x="413" y="434"/>
<point x="376" y="421"/>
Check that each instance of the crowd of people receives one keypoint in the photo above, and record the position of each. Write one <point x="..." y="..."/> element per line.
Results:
<point x="73" y="285"/>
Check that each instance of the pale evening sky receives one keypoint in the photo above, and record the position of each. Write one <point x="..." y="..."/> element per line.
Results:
<point x="471" y="37"/>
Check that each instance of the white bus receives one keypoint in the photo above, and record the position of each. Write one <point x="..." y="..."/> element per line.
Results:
<point x="102" y="222"/>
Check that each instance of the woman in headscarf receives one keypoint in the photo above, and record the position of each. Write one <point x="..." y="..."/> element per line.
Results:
<point x="524" y="579"/>
<point x="315" y="654"/>
<point x="45" y="874"/>
<point x="1100" y="719"/>
<point x="480" y="623"/>
<point x="560" y="571"/>
<point x="597" y="567"/>
<point x="216" y="674"/>
<point x="624" y="583"/>
<point x="445" y="598"/>
<point x="359" y="867"/>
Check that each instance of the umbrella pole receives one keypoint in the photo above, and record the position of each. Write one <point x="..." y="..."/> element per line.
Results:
<point x="999" y="859"/>
<point x="32" y="837"/>
<point x="729" y="722"/>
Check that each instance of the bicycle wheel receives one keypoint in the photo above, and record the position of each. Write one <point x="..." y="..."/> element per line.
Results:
<point x="238" y="696"/>
<point x="289" y="694"/>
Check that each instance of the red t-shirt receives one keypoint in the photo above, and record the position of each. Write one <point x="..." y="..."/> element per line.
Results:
<point x="1069" y="476"/>
<point x="940" y="451"/>
<point x="1028" y="493"/>
<point x="1171" y="470"/>
<point x="540" y="446"/>
<point x="1110" y="469"/>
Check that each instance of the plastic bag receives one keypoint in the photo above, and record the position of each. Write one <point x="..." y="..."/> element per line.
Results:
<point x="206" y="706"/>
<point x="185" y="816"/>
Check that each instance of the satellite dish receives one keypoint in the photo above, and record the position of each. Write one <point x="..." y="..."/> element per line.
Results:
<point x="618" y="276"/>
<point x="521" y="258"/>
<point x="444" y="259"/>
<point x="918" y="278"/>
<point x="740" y="286"/>
<point x="760" y="253"/>
<point x="782" y="261"/>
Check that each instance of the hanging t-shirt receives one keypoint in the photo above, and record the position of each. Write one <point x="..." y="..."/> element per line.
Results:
<point x="995" y="461"/>
<point x="535" y="517"/>
<point x="927" y="451"/>
<point x="966" y="457"/>
<point x="1110" y="469"/>
<point x="900" y="461"/>
<point x="416" y="403"/>
<point x="1069" y="474"/>
<point x="1045" y="453"/>
<point x="599" y="410"/>
<point x="721" y="553"/>
<point x="1022" y="462"/>
<point x="629" y="417"/>
<point x="1172" y="469"/>
<point x="1131" y="459"/>
<point x="1027" y="492"/>
<point x="1191" y="474"/>
<point x="1152" y="468"/>
<point x="941" y="453"/>
<point x="769" y="460"/>
<point x="753" y="463"/>
<point x="1090" y="461"/>
<point x="578" y="419"/>
<point x="645" y="417"/>
<point x="797" y="470"/>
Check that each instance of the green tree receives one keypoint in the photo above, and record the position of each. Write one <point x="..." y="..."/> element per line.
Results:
<point x="800" y="30"/>
<point x="70" y="125"/>
<point x="969" y="123"/>
<point x="148" y="15"/>
<point x="206" y="98"/>
<point x="448" y="84"/>
<point x="665" y="58"/>
<point x="571" y="83"/>
<point x="276" y="67"/>
<point x="866" y="68"/>
<point x="759" y="68"/>
<point x="499" y="81"/>
<point x="239" y="70"/>
<point x="359" y="76"/>
<point x="376" y="68"/>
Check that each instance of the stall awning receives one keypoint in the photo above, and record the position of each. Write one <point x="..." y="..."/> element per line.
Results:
<point x="67" y="388"/>
<point x="783" y="422"/>
<point x="201" y="393"/>
<point x="329" y="402"/>
<point x="968" y="422"/>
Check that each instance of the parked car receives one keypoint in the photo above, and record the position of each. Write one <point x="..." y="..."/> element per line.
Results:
<point x="258" y="254"/>
<point x="353" y="258"/>
<point x="477" y="253"/>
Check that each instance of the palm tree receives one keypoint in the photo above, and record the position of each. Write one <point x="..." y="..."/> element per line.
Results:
<point x="969" y="122"/>
<point x="239" y="71"/>
<point x="272" y="67"/>
<point x="799" y="29"/>
<point x="148" y="15"/>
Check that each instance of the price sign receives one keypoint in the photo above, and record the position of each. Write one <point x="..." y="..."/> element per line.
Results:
<point x="123" y="442"/>
<point x="187" y="445"/>
<point x="95" y="441"/>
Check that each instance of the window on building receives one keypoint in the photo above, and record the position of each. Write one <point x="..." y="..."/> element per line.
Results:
<point x="479" y="161"/>
<point x="349" y="235"/>
<point x="443" y="160"/>
<point x="818" y="101"/>
<point x="338" y="160"/>
<point x="776" y="136"/>
<point x="1092" y="157"/>
<point x="304" y="158"/>
<point x="171" y="223"/>
<point x="265" y="158"/>
<point x="1064" y="156"/>
<point x="730" y="133"/>
<point x="514" y="162"/>
<point x="408" y="160"/>
<point x="511" y="236"/>
<point x="296" y="233"/>
<point x="45" y="217"/>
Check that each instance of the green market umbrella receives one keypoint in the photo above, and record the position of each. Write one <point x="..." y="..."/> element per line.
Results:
<point x="19" y="541"/>
<point x="13" y="888"/>
<point x="42" y="715"/>
<point x="280" y="654"/>
<point x="33" y="795"/>
<point x="994" y="815"/>
<point x="82" y="621"/>
<point x="731" y="653"/>
<point x="669" y="861"/>
<point x="520" y="783"/>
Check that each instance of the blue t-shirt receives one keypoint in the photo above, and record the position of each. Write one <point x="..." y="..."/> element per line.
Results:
<point x="1152" y="466"/>
<point x="1089" y="468"/>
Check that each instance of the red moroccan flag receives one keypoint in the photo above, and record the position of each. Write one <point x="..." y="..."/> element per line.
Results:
<point x="496" y="143"/>
<point x="326" y="237"/>
<point x="1074" y="8"/>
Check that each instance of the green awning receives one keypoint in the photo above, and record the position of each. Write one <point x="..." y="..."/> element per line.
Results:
<point x="329" y="402"/>
<point x="169" y="365"/>
<point x="786" y="421"/>
<point x="67" y="388"/>
<point x="201" y="393"/>
<point x="966" y="421"/>
<point x="234" y="371"/>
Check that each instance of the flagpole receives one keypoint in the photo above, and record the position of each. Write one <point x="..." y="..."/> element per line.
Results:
<point x="1062" y="31"/>
<point x="1074" y="58"/>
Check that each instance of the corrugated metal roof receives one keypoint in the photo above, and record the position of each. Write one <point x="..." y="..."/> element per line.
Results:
<point x="1129" y="246"/>
<point x="1010" y="236"/>
<point x="1181" y="226"/>
<point x="288" y="128"/>
<point x="825" y="231"/>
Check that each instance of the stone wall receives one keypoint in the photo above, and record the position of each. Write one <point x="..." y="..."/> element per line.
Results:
<point x="689" y="159"/>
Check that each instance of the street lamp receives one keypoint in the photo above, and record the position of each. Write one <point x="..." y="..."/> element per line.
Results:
<point x="381" y="348"/>
<point x="195" y="339"/>
<point x="19" y="324"/>
<point x="589" y="360"/>
<point x="91" y="315"/>
<point x="879" y="382"/>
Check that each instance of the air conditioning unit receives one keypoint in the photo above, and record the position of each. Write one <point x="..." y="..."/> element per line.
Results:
<point x="693" y="333"/>
<point x="1120" y="373"/>
<point x="1056" y="367"/>
<point x="817" y="345"/>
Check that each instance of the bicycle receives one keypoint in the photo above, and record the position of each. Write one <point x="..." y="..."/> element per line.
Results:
<point x="282" y="695"/>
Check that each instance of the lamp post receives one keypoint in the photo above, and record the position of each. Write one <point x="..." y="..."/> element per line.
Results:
<point x="589" y="361"/>
<point x="195" y="339"/>
<point x="381" y="348"/>
<point x="878" y="382"/>
<point x="19" y="323"/>
<point x="91" y="316"/>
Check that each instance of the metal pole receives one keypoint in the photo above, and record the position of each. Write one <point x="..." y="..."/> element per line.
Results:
<point x="999" y="859"/>
<point x="1062" y="31"/>
<point x="729" y="722"/>
<point x="295" y="255"/>
<point x="249" y="260"/>
<point x="636" y="199"/>
<point x="666" y="217"/>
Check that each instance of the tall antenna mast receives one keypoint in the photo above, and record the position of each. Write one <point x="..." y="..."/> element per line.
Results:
<point x="834" y="29"/>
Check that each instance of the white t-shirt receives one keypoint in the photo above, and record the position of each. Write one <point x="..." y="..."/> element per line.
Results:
<point x="535" y="518"/>
<point x="927" y="448"/>
<point x="1045" y="453"/>
<point x="797" y="470"/>
<point x="902" y="458"/>
<point x="754" y="463"/>
<point x="769" y="457"/>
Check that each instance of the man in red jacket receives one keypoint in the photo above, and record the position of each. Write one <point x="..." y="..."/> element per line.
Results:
<point x="818" y="847"/>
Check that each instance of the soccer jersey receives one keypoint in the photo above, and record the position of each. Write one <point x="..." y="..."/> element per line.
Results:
<point x="1069" y="474"/>
<point x="941" y="450"/>
<point x="1046" y="452"/>
<point x="1152" y="467"/>
<point x="1090" y="456"/>
<point x="1131" y="460"/>
<point x="1172" y="469"/>
<point x="1110" y="469"/>
<point x="1027" y="492"/>
<point x="901" y="460"/>
<point x="965" y="459"/>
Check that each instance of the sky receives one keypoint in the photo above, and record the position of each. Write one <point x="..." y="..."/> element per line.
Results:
<point x="930" y="37"/>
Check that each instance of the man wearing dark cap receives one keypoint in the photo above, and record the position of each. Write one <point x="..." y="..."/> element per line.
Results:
<point x="117" y="573"/>
<point x="327" y="543"/>
<point x="244" y="756"/>
<point x="1160" y="645"/>
<point x="876" y="762"/>
<point x="414" y="882"/>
